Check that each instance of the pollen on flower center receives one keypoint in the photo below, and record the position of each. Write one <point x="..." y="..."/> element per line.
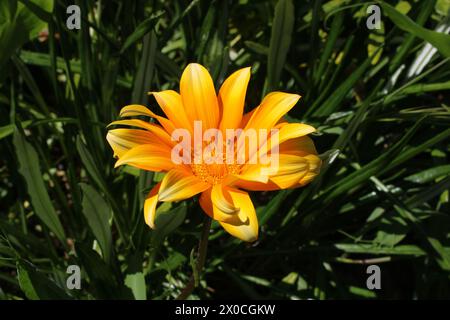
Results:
<point x="214" y="173"/>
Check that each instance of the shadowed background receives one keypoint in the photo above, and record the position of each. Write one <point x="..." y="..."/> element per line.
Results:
<point x="379" y="99"/>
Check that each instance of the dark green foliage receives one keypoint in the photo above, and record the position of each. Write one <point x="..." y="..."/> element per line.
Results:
<point x="382" y="196"/>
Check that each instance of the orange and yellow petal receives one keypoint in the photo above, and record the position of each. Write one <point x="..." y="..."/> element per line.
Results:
<point x="247" y="231"/>
<point x="245" y="225"/>
<point x="152" y="157"/>
<point x="273" y="107"/>
<point x="150" y="206"/>
<point x="288" y="131"/>
<point x="222" y="200"/>
<point x="247" y="116"/>
<point x="232" y="98"/>
<point x="179" y="184"/>
<point x="133" y="110"/>
<point x="292" y="171"/>
<point x="172" y="105"/>
<point x="301" y="146"/>
<point x="122" y="140"/>
<point x="153" y="128"/>
<point x="199" y="96"/>
<point x="284" y="132"/>
<point x="214" y="212"/>
<point x="315" y="164"/>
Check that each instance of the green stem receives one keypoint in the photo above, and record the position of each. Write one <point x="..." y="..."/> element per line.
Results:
<point x="201" y="257"/>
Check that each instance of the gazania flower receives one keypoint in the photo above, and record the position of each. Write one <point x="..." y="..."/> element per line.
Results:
<point x="221" y="185"/>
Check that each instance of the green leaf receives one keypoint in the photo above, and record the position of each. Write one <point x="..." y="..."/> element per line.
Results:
<point x="257" y="47"/>
<point x="98" y="213"/>
<point x="29" y="169"/>
<point x="426" y="194"/>
<point x="362" y="292"/>
<point x="141" y="30"/>
<point x="336" y="29"/>
<point x="280" y="41"/>
<point x="136" y="282"/>
<point x="443" y="255"/>
<point x="429" y="174"/>
<point x="376" y="43"/>
<point x="175" y="260"/>
<point x="439" y="40"/>
<point x="167" y="221"/>
<point x="146" y="67"/>
<point x="266" y="212"/>
<point x="391" y="231"/>
<point x="18" y="24"/>
<point x="89" y="163"/>
<point x="403" y="7"/>
<point x="408" y="250"/>
<point x="206" y="30"/>
<point x="44" y="60"/>
<point x="333" y="102"/>
<point x="36" y="286"/>
<point x="166" y="65"/>
<point x="443" y="7"/>
<point x="7" y="130"/>
<point x="383" y="163"/>
<point x="104" y="281"/>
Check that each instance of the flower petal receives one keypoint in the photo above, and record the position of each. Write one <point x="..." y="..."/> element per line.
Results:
<point x="247" y="116"/>
<point x="232" y="98"/>
<point x="150" y="206"/>
<point x="248" y="230"/>
<point x="179" y="184"/>
<point x="301" y="146"/>
<point x="206" y="202"/>
<point x="242" y="225"/>
<point x="291" y="169"/>
<point x="288" y="131"/>
<point x="274" y="106"/>
<point x="170" y="102"/>
<point x="199" y="96"/>
<point x="134" y="110"/>
<point x="139" y="110"/>
<point x="314" y="168"/>
<point x="215" y="213"/>
<point x="222" y="200"/>
<point x="267" y="146"/>
<point x="156" y="129"/>
<point x="148" y="157"/>
<point x="122" y="140"/>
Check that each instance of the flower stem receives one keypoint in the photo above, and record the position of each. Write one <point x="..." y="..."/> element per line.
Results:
<point x="201" y="257"/>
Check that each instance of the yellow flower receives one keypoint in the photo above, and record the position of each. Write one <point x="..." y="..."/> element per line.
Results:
<point x="221" y="184"/>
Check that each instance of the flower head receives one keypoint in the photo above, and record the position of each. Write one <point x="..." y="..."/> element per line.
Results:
<point x="208" y="146"/>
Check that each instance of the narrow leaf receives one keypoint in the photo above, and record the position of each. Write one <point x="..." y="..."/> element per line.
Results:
<point x="280" y="41"/>
<point x="98" y="213"/>
<point x="29" y="169"/>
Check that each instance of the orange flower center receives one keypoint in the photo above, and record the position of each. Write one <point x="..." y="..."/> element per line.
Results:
<point x="214" y="173"/>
